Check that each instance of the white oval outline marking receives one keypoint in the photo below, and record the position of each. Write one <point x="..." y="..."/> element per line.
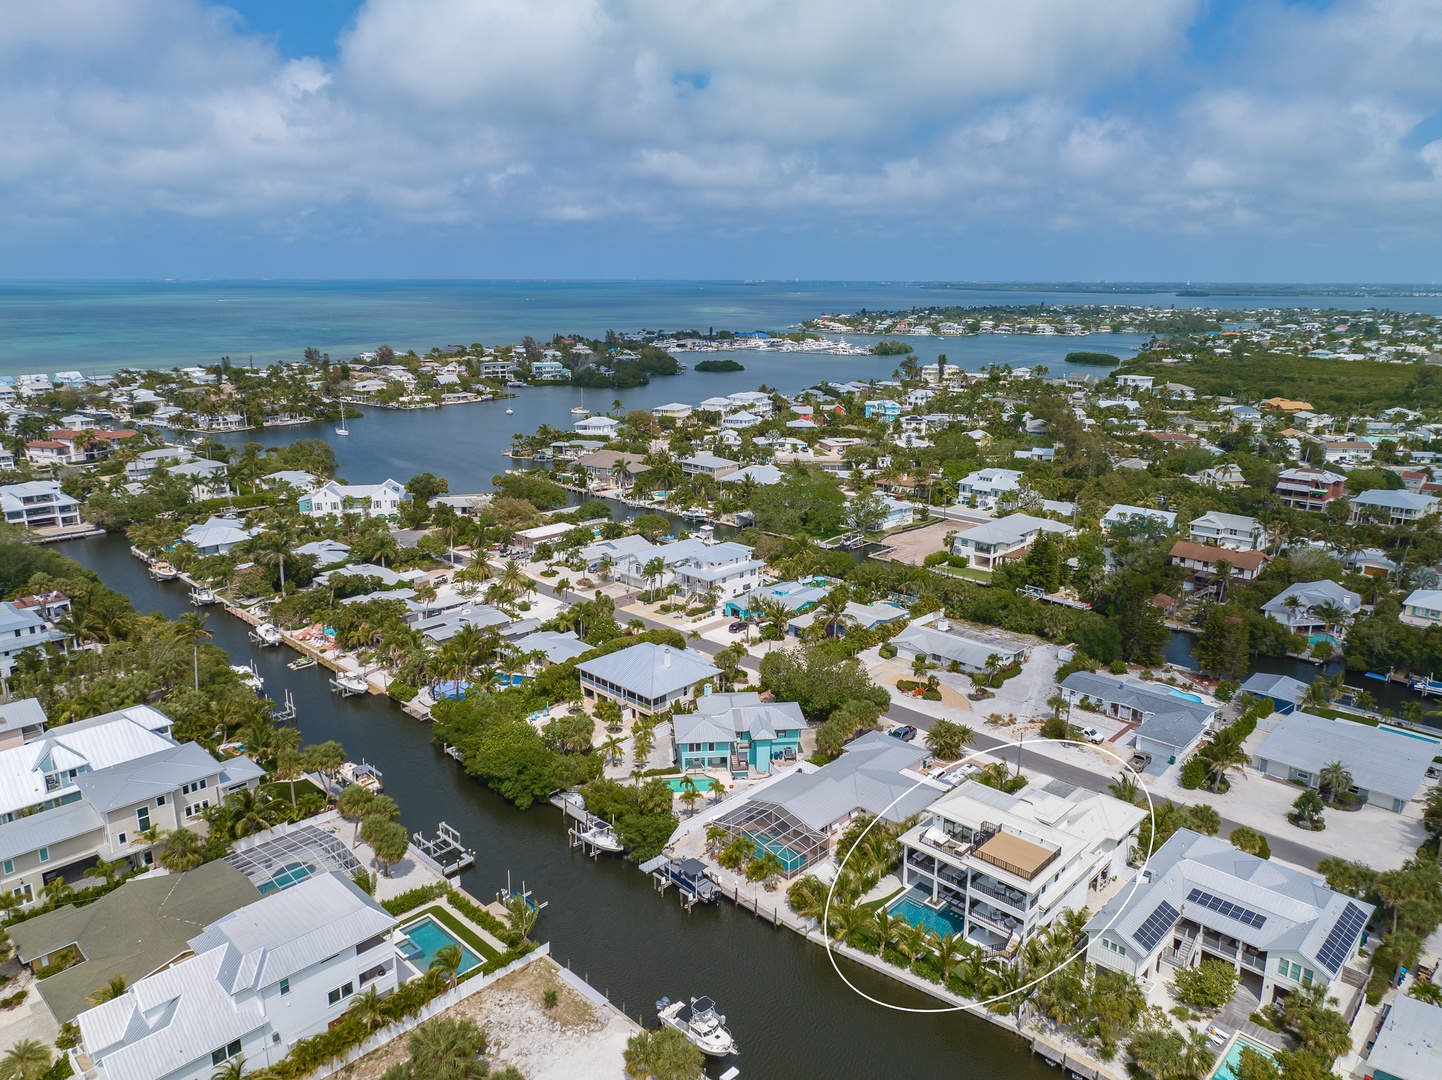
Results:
<point x="975" y="1005"/>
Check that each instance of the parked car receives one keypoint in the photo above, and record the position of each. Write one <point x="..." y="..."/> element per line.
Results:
<point x="1141" y="761"/>
<point x="905" y="734"/>
<point x="736" y="628"/>
<point x="969" y="768"/>
<point x="1091" y="734"/>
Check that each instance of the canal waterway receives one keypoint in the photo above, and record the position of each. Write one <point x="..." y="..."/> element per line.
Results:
<point x="792" y="1017"/>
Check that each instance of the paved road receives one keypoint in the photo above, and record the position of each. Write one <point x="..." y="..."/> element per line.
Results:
<point x="1286" y="848"/>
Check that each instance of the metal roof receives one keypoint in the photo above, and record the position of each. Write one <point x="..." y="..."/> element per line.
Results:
<point x="867" y="777"/>
<point x="1383" y="761"/>
<point x="649" y="670"/>
<point x="48" y="827"/>
<point x="141" y="779"/>
<point x="27" y="712"/>
<point x="1278" y="687"/>
<point x="138" y="928"/>
<point x="1409" y="1046"/>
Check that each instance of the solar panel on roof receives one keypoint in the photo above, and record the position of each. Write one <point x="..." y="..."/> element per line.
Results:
<point x="1227" y="908"/>
<point x="1158" y="923"/>
<point x="1342" y="937"/>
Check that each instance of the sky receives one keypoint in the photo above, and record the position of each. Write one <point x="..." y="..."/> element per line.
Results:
<point x="970" y="140"/>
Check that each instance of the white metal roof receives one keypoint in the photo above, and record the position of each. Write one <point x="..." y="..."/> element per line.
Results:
<point x="1382" y="761"/>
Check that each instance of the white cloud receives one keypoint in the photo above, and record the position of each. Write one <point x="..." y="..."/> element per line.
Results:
<point x="751" y="113"/>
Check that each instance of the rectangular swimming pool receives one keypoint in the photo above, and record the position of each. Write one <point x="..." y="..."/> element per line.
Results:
<point x="912" y="908"/>
<point x="429" y="937"/>
<point x="1227" y="1068"/>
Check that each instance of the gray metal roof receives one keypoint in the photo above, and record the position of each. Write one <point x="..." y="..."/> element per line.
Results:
<point x="649" y="670"/>
<point x="17" y="715"/>
<point x="1409" y="1046"/>
<point x="558" y="647"/>
<point x="48" y="827"/>
<point x="1279" y="687"/>
<point x="1386" y="762"/>
<point x="1158" y="700"/>
<point x="1176" y="729"/>
<point x="867" y="777"/>
<point x="967" y="651"/>
<point x="144" y="778"/>
<point x="1298" y="910"/>
<point x="722" y="717"/>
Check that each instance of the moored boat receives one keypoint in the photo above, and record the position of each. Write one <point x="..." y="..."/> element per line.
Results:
<point x="302" y="663"/>
<point x="348" y="684"/>
<point x="200" y="596"/>
<point x="164" y="571"/>
<point x="699" y="1021"/>
<point x="266" y="634"/>
<point x="249" y="676"/>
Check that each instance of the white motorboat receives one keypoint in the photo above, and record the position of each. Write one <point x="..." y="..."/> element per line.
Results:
<point x="249" y="676"/>
<point x="266" y="634"/>
<point x="200" y="596"/>
<point x="348" y="684"/>
<point x="699" y="1021"/>
<point x="600" y="834"/>
<point x="364" y="775"/>
<point x="164" y="571"/>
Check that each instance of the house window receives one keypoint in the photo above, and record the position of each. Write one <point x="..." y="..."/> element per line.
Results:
<point x="9" y="865"/>
<point x="284" y="987"/>
<point x="120" y="838"/>
<point x="230" y="1050"/>
<point x="342" y="993"/>
<point x="159" y="800"/>
<point x="45" y="854"/>
<point x="142" y="818"/>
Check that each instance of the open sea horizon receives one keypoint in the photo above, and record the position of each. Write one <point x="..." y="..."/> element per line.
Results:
<point x="97" y="327"/>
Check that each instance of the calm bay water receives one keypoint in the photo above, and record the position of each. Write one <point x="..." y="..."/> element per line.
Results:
<point x="99" y="326"/>
<point x="794" y="1019"/>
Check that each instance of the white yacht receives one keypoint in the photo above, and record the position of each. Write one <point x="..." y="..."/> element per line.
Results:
<point x="348" y="684"/>
<point x="164" y="571"/>
<point x="700" y="1023"/>
<point x="249" y="676"/>
<point x="266" y="634"/>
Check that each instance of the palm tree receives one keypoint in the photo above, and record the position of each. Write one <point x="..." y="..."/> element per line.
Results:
<point x="884" y="924"/>
<point x="110" y="871"/>
<point x="191" y="627"/>
<point x="612" y="748"/>
<point x="947" y="948"/>
<point x="1225" y="759"/>
<point x="369" y="1008"/>
<point x="250" y="811"/>
<point x="58" y="891"/>
<point x="912" y="942"/>
<point x="447" y="961"/>
<point x="182" y="850"/>
<point x="1124" y="788"/>
<point x="1319" y="693"/>
<point x="233" y="1069"/>
<point x="115" y="988"/>
<point x="717" y="788"/>
<point x="653" y="571"/>
<point x="1334" y="779"/>
<point x="28" y="1059"/>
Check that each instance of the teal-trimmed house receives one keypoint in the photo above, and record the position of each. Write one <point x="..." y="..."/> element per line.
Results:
<point x="739" y="733"/>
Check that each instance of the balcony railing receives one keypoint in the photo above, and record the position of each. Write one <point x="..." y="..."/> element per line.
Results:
<point x="1005" y="896"/>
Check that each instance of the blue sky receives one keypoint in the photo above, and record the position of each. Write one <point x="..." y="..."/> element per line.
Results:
<point x="940" y="139"/>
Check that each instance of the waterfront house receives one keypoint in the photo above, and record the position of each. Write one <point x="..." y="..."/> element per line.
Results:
<point x="645" y="678"/>
<point x="88" y="790"/>
<point x="325" y="552"/>
<point x="529" y="539"/>
<point x="1388" y="766"/>
<point x="381" y="500"/>
<point x="1307" y="488"/>
<point x="1135" y="382"/>
<point x="1005" y="866"/>
<point x="1297" y="608"/>
<point x="1004" y="538"/>
<point x="601" y="427"/>
<point x="207" y="479"/>
<point x="1235" y="531"/>
<point x="762" y="475"/>
<point x="135" y="931"/>
<point x="23" y="627"/>
<point x="550" y="371"/>
<point x="1423" y="607"/>
<point x="715" y="404"/>
<point x="148" y="462"/>
<point x="752" y="401"/>
<point x="985" y="487"/>
<point x="802" y="814"/>
<point x="738" y="733"/>
<point x="1393" y="507"/>
<point x="942" y="646"/>
<point x="38" y="504"/>
<point x="553" y="646"/>
<point x="674" y="411"/>
<point x="612" y="468"/>
<point x="257" y="981"/>
<point x="1205" y="559"/>
<point x="708" y="465"/>
<point x="299" y="479"/>
<point x="1285" y="693"/>
<point x="66" y="446"/>
<point x="217" y="535"/>
<point x="1121" y="513"/>
<point x="1200" y="898"/>
<point x="881" y="409"/>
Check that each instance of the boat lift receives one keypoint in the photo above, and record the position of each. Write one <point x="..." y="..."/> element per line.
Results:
<point x="284" y="713"/>
<point x="1428" y="686"/>
<point x="689" y="876"/>
<point x="445" y="854"/>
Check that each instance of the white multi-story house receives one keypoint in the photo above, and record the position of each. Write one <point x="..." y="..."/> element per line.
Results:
<point x="1006" y="866"/>
<point x="381" y="500"/>
<point x="1122" y="512"/>
<point x="1423" y="607"/>
<point x="148" y="462"/>
<point x="986" y="545"/>
<point x="1200" y="898"/>
<point x="255" y="982"/>
<point x="985" y="487"/>
<point x="645" y="678"/>
<point x="88" y="790"/>
<point x="38" y="504"/>
<point x="207" y="479"/>
<point x="708" y="465"/>
<point x="1235" y="531"/>
<point x="22" y="628"/>
<point x="1297" y="607"/>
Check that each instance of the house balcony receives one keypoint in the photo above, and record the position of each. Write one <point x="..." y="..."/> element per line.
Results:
<point x="995" y="918"/>
<point x="1010" y="897"/>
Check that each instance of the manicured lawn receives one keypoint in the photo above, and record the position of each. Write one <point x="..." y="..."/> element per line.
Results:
<point x="444" y="916"/>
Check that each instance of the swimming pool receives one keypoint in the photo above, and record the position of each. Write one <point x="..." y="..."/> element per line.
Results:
<point x="1227" y="1068"/>
<point x="678" y="783"/>
<point x="1185" y="697"/>
<point x="288" y="875"/>
<point x="912" y="908"/>
<point x="428" y="937"/>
